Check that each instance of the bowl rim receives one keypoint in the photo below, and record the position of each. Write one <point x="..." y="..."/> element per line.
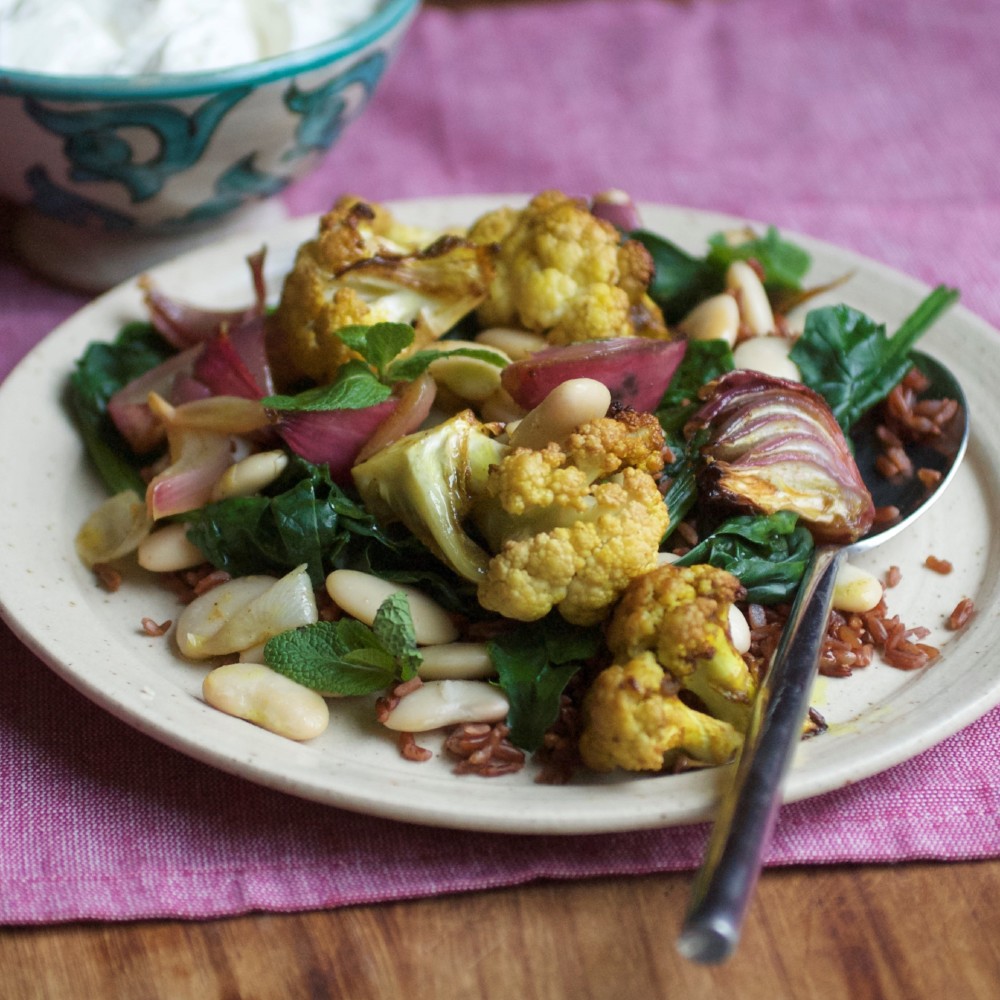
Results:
<point x="88" y="87"/>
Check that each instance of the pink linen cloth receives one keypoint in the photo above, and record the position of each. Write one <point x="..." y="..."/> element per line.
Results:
<point x="876" y="127"/>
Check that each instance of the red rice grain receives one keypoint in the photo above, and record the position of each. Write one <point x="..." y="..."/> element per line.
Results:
<point x="385" y="704"/>
<point x="892" y="576"/>
<point x="941" y="566"/>
<point x="484" y="749"/>
<point x="151" y="627"/>
<point x="107" y="576"/>
<point x="409" y="749"/>
<point x="961" y="614"/>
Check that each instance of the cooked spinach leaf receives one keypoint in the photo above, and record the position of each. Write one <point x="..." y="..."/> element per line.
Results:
<point x="681" y="279"/>
<point x="534" y="663"/>
<point x="768" y="554"/>
<point x="100" y="372"/>
<point x="852" y="362"/>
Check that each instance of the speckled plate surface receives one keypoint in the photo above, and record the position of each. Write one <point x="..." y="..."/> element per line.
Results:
<point x="93" y="639"/>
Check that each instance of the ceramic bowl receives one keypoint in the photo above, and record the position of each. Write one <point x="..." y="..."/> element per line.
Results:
<point x="113" y="174"/>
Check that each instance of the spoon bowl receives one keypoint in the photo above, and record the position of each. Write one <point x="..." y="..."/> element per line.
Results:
<point x="749" y="805"/>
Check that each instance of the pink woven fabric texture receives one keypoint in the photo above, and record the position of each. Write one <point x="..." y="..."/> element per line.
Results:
<point x="873" y="126"/>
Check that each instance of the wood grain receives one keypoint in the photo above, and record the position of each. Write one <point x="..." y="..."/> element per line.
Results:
<point x="904" y="932"/>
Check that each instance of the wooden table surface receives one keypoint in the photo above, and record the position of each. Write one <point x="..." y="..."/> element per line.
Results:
<point x="903" y="932"/>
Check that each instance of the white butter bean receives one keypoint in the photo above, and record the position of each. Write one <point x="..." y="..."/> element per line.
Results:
<point x="755" y="307"/>
<point x="717" y="318"/>
<point x="470" y="379"/>
<point x="516" y="344"/>
<point x="456" y="660"/>
<point x="361" y="594"/>
<point x="568" y="405"/>
<point x="768" y="355"/>
<point x="855" y="589"/>
<point x="447" y="703"/>
<point x="168" y="549"/>
<point x="268" y="699"/>
<point x="250" y="475"/>
<point x="739" y="629"/>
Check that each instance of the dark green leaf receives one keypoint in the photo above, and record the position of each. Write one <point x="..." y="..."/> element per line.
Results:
<point x="355" y="388"/>
<point x="850" y="360"/>
<point x="680" y="280"/>
<point x="100" y="372"/>
<point x="703" y="361"/>
<point x="534" y="663"/>
<point x="784" y="264"/>
<point x="311" y="521"/>
<point x="768" y="554"/>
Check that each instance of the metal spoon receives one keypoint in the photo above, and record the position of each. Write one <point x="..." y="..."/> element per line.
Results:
<point x="746" y="814"/>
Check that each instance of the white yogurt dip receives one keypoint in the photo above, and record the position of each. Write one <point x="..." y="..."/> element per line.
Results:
<point x="128" y="37"/>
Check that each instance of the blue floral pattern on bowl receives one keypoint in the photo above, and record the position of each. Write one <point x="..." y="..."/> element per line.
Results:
<point x="183" y="153"/>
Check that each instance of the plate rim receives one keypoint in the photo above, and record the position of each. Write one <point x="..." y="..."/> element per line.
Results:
<point x="650" y="815"/>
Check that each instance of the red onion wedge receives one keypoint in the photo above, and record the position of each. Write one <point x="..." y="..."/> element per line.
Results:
<point x="184" y="325"/>
<point x="331" y="437"/>
<point x="128" y="407"/>
<point x="636" y="370"/>
<point x="775" y="445"/>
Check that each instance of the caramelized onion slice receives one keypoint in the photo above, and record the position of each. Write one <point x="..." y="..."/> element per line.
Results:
<point x="774" y="445"/>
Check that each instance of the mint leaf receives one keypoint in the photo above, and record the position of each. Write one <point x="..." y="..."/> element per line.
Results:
<point x="379" y="343"/>
<point x="393" y="627"/>
<point x="319" y="656"/>
<point x="355" y="388"/>
<point x="346" y="656"/>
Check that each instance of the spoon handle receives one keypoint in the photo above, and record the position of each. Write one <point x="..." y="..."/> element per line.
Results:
<point x="746" y="813"/>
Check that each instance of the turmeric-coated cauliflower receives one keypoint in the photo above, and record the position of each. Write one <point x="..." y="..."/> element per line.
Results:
<point x="634" y="719"/>
<point x="677" y="687"/>
<point x="563" y="272"/>
<point x="363" y="267"/>
<point x="681" y="614"/>
<point x="563" y="526"/>
<point x="572" y="523"/>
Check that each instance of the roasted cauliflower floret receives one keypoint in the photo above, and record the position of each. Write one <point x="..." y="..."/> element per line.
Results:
<point x="572" y="523"/>
<point x="363" y="267"/>
<point x="580" y="569"/>
<point x="529" y="527"/>
<point x="681" y="615"/>
<point x="634" y="719"/>
<point x="563" y="272"/>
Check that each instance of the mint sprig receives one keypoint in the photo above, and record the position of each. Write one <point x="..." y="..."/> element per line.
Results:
<point x="368" y="380"/>
<point x="347" y="657"/>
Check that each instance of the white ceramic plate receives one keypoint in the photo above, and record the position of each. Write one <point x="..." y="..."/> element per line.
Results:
<point x="93" y="639"/>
